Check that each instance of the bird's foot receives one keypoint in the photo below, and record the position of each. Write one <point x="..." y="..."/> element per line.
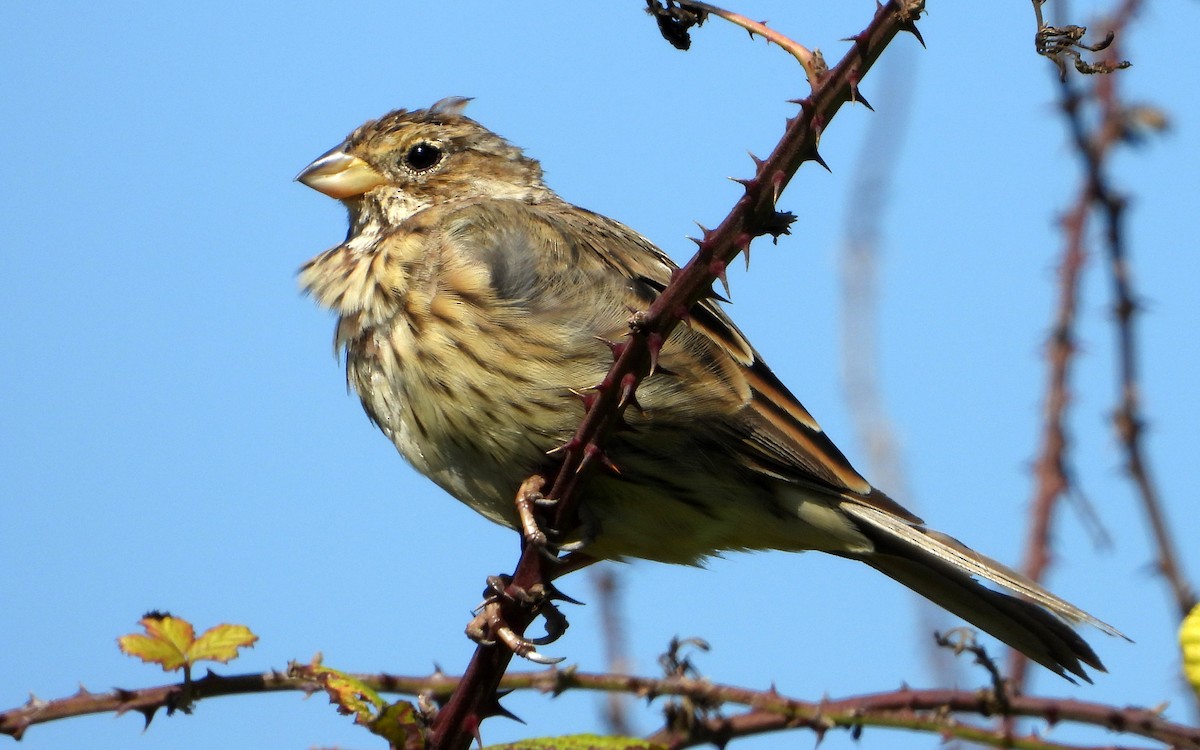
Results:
<point x="490" y="625"/>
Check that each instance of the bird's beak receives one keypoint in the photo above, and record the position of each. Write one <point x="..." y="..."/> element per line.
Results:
<point x="340" y="175"/>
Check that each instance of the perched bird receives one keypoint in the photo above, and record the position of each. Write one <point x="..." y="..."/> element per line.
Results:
<point x="473" y="305"/>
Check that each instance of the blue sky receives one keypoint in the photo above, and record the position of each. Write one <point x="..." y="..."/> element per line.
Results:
<point x="177" y="435"/>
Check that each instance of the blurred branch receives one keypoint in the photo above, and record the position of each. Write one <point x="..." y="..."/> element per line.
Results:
<point x="1128" y="418"/>
<point x="935" y="711"/>
<point x="1094" y="143"/>
<point x="517" y="599"/>
<point x="607" y="585"/>
<point x="860" y="299"/>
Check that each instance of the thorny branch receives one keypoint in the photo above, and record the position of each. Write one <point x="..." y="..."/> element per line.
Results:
<point x="754" y="215"/>
<point x="939" y="711"/>
<point x="1094" y="144"/>
<point x="1128" y="419"/>
<point x="676" y="18"/>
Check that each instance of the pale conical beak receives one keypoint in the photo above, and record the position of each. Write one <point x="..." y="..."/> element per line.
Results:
<point x="340" y="175"/>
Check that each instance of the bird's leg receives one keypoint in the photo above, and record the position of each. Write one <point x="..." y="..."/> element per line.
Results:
<point x="528" y="497"/>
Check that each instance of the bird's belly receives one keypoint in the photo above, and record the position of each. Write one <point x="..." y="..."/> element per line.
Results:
<point x="472" y="430"/>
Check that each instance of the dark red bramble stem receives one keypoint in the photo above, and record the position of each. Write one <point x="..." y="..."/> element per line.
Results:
<point x="754" y="215"/>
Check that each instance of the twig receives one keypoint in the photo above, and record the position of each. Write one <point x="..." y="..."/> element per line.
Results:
<point x="867" y="198"/>
<point x="811" y="60"/>
<point x="1128" y="419"/>
<point x="921" y="710"/>
<point x="608" y="589"/>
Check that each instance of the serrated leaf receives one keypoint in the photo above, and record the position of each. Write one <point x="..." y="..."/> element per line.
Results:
<point x="221" y="643"/>
<point x="1189" y="643"/>
<point x="171" y="642"/>
<point x="580" y="742"/>
<point x="165" y="642"/>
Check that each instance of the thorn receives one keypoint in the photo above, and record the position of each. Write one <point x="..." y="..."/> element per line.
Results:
<point x="595" y="453"/>
<point x="616" y="347"/>
<point x="654" y="343"/>
<point x="555" y="594"/>
<point x="746" y="183"/>
<point x="857" y="97"/>
<point x="805" y="104"/>
<point x="717" y="269"/>
<point x="148" y="713"/>
<point x="471" y="723"/>
<point x="777" y="180"/>
<point x="705" y="232"/>
<point x="860" y="45"/>
<point x="588" y="399"/>
<point x="911" y="27"/>
<point x="757" y="161"/>
<point x="570" y="445"/>
<point x="493" y="708"/>
<point x="815" y="156"/>
<point x="628" y="392"/>
<point x="818" y="125"/>
<point x="122" y="695"/>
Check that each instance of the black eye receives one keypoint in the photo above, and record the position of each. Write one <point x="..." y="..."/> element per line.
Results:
<point x="422" y="156"/>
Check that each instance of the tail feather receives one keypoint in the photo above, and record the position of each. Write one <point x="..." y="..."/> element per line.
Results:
<point x="941" y="569"/>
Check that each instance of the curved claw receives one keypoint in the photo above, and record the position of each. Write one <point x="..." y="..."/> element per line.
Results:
<point x="547" y="661"/>
<point x="524" y="647"/>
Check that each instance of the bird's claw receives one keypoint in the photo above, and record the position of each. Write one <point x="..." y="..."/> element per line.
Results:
<point x="489" y="625"/>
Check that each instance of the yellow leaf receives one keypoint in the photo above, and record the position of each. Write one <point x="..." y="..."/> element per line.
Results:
<point x="221" y="643"/>
<point x="1189" y="643"/>
<point x="166" y="641"/>
<point x="172" y="643"/>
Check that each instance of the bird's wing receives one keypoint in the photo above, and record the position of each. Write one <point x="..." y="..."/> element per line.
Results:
<point x="779" y="437"/>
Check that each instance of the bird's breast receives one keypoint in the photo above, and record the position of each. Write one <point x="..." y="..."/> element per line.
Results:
<point x="472" y="397"/>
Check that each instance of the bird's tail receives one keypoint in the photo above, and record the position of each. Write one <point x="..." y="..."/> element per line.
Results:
<point x="1035" y="622"/>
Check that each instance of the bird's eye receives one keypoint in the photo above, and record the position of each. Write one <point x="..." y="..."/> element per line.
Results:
<point x="422" y="156"/>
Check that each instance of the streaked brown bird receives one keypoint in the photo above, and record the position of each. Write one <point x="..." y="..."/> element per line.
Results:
<point x="473" y="305"/>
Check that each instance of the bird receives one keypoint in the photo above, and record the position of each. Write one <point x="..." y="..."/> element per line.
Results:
<point x="473" y="305"/>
